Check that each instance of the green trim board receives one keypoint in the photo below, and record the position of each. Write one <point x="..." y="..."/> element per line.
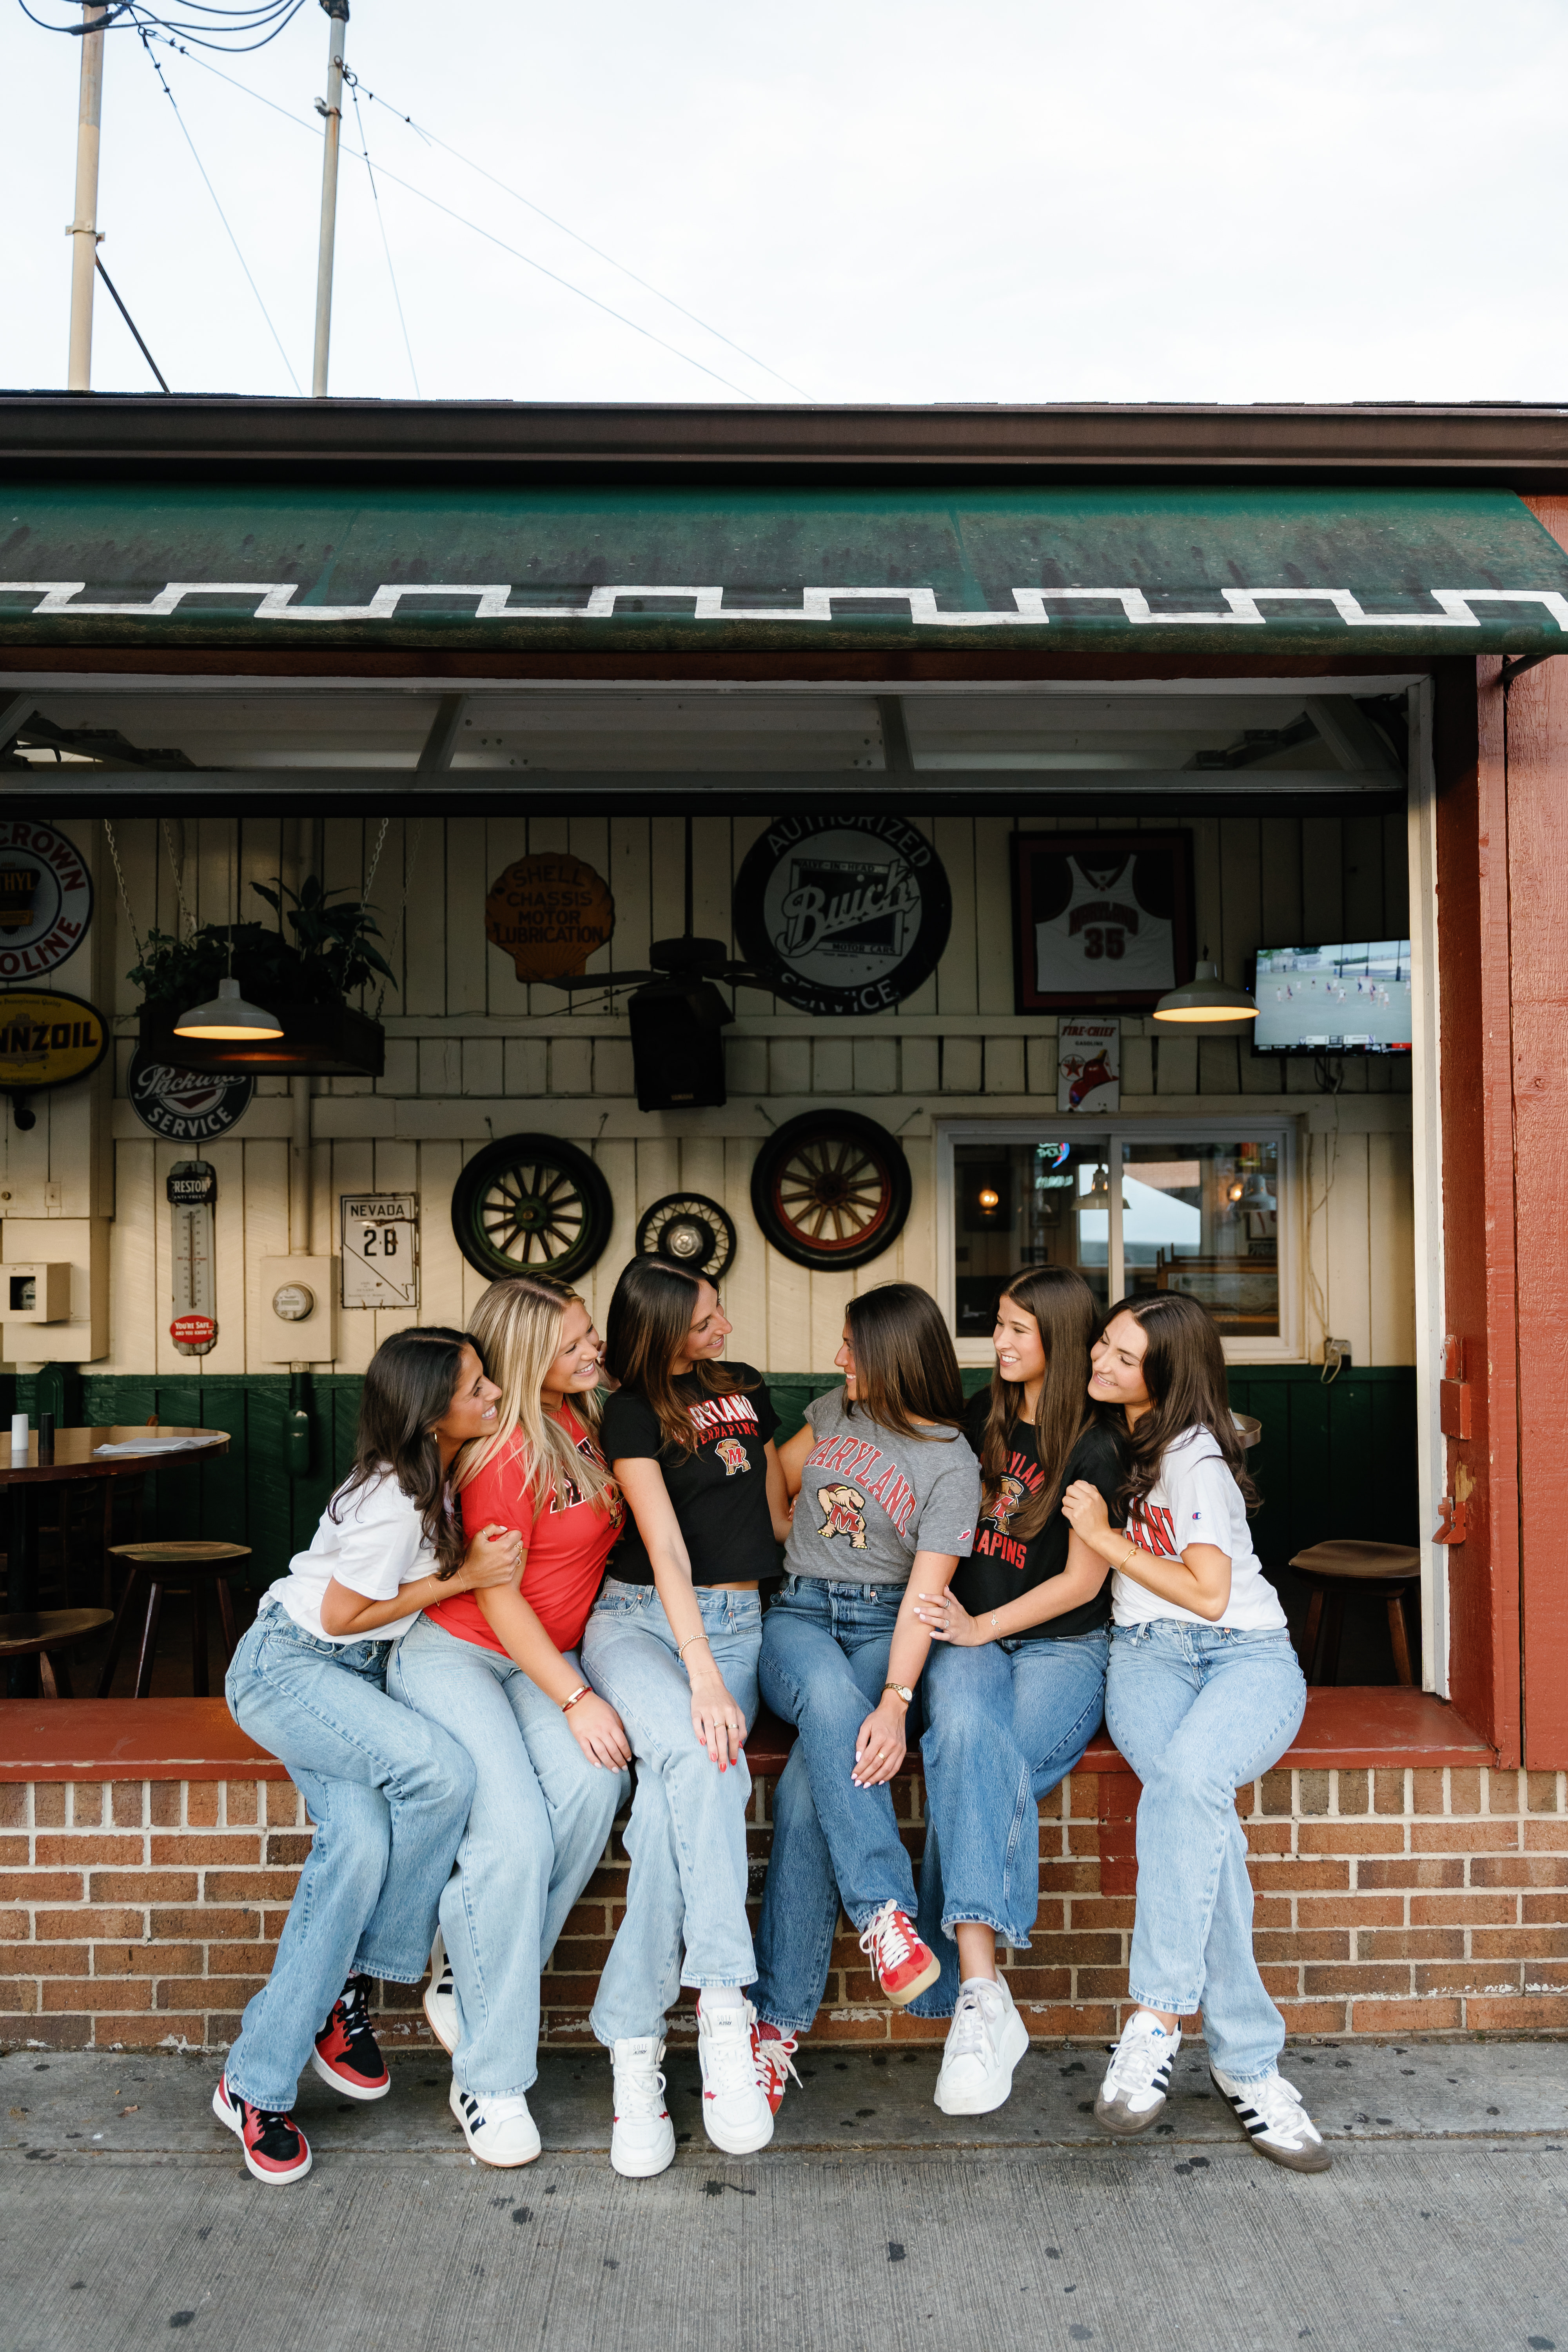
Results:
<point x="1197" y="571"/>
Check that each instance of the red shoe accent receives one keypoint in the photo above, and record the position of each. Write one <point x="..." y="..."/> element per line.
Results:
<point x="904" y="1966"/>
<point x="347" y="2054"/>
<point x="774" y="2050"/>
<point x="276" y="2149"/>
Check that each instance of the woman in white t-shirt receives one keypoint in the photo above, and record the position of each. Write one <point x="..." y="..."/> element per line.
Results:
<point x="1203" y="1694"/>
<point x="387" y="1790"/>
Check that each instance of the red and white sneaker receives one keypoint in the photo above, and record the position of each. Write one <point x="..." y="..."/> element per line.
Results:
<point x="347" y="2054"/>
<point x="904" y="1965"/>
<point x="276" y="2149"/>
<point x="775" y="2051"/>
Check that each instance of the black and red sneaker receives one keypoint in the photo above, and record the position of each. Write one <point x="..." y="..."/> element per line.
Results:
<point x="276" y="2149"/>
<point x="346" y="2054"/>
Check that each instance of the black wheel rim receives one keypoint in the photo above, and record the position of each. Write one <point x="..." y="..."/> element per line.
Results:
<point x="689" y="1231"/>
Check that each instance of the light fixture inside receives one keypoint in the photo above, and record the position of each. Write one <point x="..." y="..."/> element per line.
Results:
<point x="989" y="1198"/>
<point x="227" y="1015"/>
<point x="1205" y="1001"/>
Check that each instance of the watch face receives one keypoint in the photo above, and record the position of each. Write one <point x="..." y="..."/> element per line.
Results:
<point x="293" y="1302"/>
<point x="844" y="914"/>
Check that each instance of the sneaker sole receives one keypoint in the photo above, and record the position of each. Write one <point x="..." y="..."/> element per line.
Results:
<point x="433" y="2019"/>
<point x="1112" y="2115"/>
<point x="736" y="2145"/>
<point x="226" y="2116"/>
<point x="644" y="2167"/>
<point x="1305" y="2159"/>
<point x="986" y="2102"/>
<point x="916" y="1986"/>
<point x="351" y="2087"/>
<point x="497" y="2163"/>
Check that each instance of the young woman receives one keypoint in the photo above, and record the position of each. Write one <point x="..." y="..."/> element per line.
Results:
<point x="888" y="1496"/>
<point x="1204" y="1693"/>
<point x="388" y="1791"/>
<point x="1015" y="1689"/>
<point x="497" y="1669"/>
<point x="672" y="1644"/>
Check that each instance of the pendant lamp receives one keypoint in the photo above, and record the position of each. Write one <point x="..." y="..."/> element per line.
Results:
<point x="226" y="1015"/>
<point x="1206" y="1002"/>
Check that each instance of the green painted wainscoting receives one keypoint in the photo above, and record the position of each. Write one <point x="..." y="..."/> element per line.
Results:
<point x="1333" y="1461"/>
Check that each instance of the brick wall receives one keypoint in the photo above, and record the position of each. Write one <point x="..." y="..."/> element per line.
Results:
<point x="1401" y="1901"/>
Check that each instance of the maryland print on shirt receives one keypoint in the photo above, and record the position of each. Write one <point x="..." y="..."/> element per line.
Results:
<point x="732" y="1454"/>
<point x="570" y="1496"/>
<point x="846" y="1515"/>
<point x="1021" y="1477"/>
<point x="1153" y="1530"/>
<point x="856" y="1458"/>
<point x="715" y="1415"/>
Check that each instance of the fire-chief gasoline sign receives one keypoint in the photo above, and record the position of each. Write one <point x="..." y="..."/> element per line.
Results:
<point x="45" y="1040"/>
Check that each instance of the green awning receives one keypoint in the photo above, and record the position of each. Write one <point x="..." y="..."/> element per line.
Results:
<point x="1389" y="573"/>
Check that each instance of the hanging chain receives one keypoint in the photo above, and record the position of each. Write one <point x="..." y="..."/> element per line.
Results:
<point x="124" y="893"/>
<point x="374" y="862"/>
<point x="411" y="851"/>
<point x="178" y="873"/>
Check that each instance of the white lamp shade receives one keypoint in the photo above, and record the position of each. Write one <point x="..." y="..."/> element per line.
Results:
<point x="1205" y="1001"/>
<point x="228" y="1015"/>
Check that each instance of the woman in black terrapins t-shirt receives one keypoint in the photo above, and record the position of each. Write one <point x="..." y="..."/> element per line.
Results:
<point x="1015" y="1686"/>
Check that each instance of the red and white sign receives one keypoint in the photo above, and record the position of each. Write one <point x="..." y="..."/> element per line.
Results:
<point x="193" y="1331"/>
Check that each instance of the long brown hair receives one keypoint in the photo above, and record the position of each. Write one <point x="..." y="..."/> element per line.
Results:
<point x="1067" y="1314"/>
<point x="516" y="1329"/>
<point x="905" y="1371"/>
<point x="1183" y="1371"/>
<point x="647" y="1327"/>
<point x="408" y="1384"/>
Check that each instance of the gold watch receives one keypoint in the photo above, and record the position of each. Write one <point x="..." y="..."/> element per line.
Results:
<point x="900" y="1690"/>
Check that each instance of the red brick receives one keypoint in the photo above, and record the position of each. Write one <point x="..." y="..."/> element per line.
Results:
<point x="40" y="1886"/>
<point x="191" y="1852"/>
<point x="15" y="1928"/>
<point x="1269" y="1837"/>
<point x="86" y="1804"/>
<point x="1545" y="1976"/>
<point x="1278" y="1982"/>
<point x="48" y="1804"/>
<point x="1546" y="1837"/>
<point x="1522" y="2013"/>
<point x="915" y="2029"/>
<point x="1465" y="1791"/>
<point x="1069" y="1878"/>
<point x="147" y="1959"/>
<point x="142" y="1886"/>
<point x="574" y="1954"/>
<point x="1493" y="1870"/>
<point x="163" y="1804"/>
<point x="53" y="2033"/>
<point x="1388" y="1792"/>
<point x="1354" y="1791"/>
<point x="1406" y="2016"/>
<point x="286" y="1849"/>
<point x="71" y="1848"/>
<point x="282" y="1804"/>
<point x="147" y="2032"/>
<point x="1351" y="1911"/>
<point x="1520" y="1943"/>
<point x="1540" y="1789"/>
<point x="1426" y="1871"/>
<point x="19" y="1996"/>
<point x="202" y="1804"/>
<point x="1277" y="1793"/>
<point x="1311" y="1792"/>
<point x="240" y="1959"/>
<point x="1292" y="1947"/>
<point x="198" y="1921"/>
<point x="129" y="1803"/>
<point x="1468" y="1975"/>
<point x="1268" y="1911"/>
<point x="1101" y="1984"/>
<point x="1464" y="1837"/>
<point x="256" y="1885"/>
<point x="1463" y="1910"/>
<point x="1427" y="1788"/>
<point x="1100" y="1911"/>
<point x="127" y="1993"/>
<point x="58" y="1959"/>
<point x="85" y="1920"/>
<point x="14" y="1854"/>
<point x="186" y="1992"/>
<point x="1350" y="1837"/>
<point x="13" y="1804"/>
<point x="1304" y="2017"/>
<point x="1411" y="1944"/>
<point x="1292" y="1877"/>
<point x="1549" y="1909"/>
<point x="240" y="1804"/>
<point x="1358" y="1976"/>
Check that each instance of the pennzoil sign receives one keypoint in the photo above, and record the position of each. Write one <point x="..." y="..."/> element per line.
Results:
<point x="46" y="898"/>
<point x="46" y="1040"/>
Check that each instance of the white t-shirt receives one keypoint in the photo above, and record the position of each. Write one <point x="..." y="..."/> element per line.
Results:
<point x="1193" y="1500"/>
<point x="375" y="1545"/>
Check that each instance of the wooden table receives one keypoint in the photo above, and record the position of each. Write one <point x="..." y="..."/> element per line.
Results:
<point x="76" y="1458"/>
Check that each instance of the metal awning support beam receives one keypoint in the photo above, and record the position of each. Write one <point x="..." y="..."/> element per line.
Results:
<point x="1520" y="662"/>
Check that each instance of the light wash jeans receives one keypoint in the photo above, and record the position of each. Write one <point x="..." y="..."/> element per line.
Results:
<point x="687" y="1834"/>
<point x="541" y="1817"/>
<point x="388" y="1792"/>
<point x="1197" y="1710"/>
<point x="825" y="1660"/>
<point x="1005" y="1722"/>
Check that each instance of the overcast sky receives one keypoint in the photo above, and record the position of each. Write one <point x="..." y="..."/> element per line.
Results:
<point x="883" y="200"/>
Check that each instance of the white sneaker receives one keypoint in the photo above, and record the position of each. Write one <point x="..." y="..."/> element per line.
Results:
<point x="441" y="1999"/>
<point x="500" y="2131"/>
<point x="736" y="2115"/>
<point x="984" y="2042"/>
<point x="642" y="2139"/>
<point x="1271" y="2115"/>
<point x="1138" y="2076"/>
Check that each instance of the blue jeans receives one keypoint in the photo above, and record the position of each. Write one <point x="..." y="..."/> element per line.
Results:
<point x="825" y="1660"/>
<point x="687" y="1834"/>
<point x="540" y="1818"/>
<point x="1004" y="1724"/>
<point x="1197" y="1710"/>
<point x="388" y="1792"/>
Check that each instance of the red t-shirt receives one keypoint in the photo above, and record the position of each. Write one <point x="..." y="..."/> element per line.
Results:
<point x="567" y="1541"/>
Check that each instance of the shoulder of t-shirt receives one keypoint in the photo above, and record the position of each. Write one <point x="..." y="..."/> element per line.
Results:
<point x="628" y="1412"/>
<point x="1195" y="1444"/>
<point x="1097" y="1451"/>
<point x="827" y="1406"/>
<point x="380" y="1497"/>
<point x="976" y="1413"/>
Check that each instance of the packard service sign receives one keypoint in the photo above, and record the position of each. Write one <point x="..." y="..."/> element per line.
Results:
<point x="46" y="898"/>
<point x="187" y="1106"/>
<point x="843" y="913"/>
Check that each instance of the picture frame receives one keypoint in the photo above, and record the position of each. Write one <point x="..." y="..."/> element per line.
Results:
<point x="1101" y="919"/>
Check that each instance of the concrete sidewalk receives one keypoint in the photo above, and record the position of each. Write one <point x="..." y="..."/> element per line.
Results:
<point x="871" y="2225"/>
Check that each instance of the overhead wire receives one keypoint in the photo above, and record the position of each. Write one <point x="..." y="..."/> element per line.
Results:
<point x="134" y="16"/>
<point x="352" y="82"/>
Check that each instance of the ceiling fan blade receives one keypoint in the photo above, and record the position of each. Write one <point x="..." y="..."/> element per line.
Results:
<point x="605" y="981"/>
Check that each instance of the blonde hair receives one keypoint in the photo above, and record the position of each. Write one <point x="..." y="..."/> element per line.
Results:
<point x="516" y="1326"/>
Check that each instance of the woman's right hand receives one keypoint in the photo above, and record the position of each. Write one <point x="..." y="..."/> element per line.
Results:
<point x="718" y="1723"/>
<point x="599" y="1732"/>
<point x="494" y="1558"/>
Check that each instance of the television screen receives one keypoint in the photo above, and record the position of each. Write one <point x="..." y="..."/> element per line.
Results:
<point x="1352" y="998"/>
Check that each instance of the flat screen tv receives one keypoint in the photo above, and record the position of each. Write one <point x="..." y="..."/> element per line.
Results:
<point x="1349" y="998"/>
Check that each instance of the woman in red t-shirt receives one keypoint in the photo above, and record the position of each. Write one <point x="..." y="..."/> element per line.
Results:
<point x="551" y="1756"/>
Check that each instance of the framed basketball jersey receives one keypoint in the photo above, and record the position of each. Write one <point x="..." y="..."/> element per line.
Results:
<point x="1101" y="918"/>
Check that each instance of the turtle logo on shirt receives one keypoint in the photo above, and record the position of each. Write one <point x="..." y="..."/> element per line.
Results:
<point x="1009" y="1495"/>
<point x="732" y="1454"/>
<point x="846" y="1515"/>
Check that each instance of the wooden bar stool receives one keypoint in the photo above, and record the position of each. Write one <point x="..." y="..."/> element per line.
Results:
<point x="155" y="1567"/>
<point x="49" y="1635"/>
<point x="1383" y="1571"/>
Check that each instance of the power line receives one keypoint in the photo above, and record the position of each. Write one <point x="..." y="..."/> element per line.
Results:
<point x="213" y="27"/>
<point x="130" y="321"/>
<point x="352" y="81"/>
<point x="222" y="217"/>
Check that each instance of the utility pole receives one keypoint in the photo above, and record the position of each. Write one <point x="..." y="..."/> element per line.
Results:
<point x="83" y="230"/>
<point x="331" y="109"/>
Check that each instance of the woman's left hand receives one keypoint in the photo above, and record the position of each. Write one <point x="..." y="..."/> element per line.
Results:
<point x="599" y="1733"/>
<point x="1083" y="1507"/>
<point x="946" y="1619"/>
<point x="880" y="1747"/>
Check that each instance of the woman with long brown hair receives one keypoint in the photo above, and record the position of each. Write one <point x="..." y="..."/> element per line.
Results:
<point x="499" y="1670"/>
<point x="672" y="1643"/>
<point x="1014" y="1687"/>
<point x="889" y="1492"/>
<point x="1204" y="1693"/>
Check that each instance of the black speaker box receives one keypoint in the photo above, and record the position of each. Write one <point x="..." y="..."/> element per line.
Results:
<point x="677" y="1045"/>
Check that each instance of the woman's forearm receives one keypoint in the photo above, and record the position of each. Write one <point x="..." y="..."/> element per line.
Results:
<point x="339" y="1618"/>
<point x="931" y="1574"/>
<point x="526" y="1643"/>
<point x="1201" y="1584"/>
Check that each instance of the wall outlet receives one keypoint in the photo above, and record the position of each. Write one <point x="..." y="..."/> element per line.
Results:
<point x="1336" y="1355"/>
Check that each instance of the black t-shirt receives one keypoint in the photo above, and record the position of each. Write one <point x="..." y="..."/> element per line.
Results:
<point x="1001" y="1568"/>
<point x="720" y="1492"/>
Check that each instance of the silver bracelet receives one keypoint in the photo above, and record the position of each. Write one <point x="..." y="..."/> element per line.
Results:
<point x="681" y="1654"/>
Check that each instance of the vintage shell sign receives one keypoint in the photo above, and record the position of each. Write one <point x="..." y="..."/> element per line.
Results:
<point x="46" y="1040"/>
<point x="549" y="912"/>
<point x="845" y="913"/>
<point x="46" y="898"/>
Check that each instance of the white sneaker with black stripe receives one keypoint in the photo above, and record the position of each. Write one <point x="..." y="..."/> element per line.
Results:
<point x="1271" y="2115"/>
<point x="440" y="2003"/>
<point x="1138" y="2076"/>
<point x="500" y="2131"/>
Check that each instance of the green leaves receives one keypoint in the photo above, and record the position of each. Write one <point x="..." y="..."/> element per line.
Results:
<point x="331" y="956"/>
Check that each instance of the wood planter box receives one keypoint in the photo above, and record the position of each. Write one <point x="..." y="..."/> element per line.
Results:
<point x="319" y="1040"/>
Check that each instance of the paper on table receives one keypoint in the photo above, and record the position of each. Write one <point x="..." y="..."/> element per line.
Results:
<point x="156" y="1445"/>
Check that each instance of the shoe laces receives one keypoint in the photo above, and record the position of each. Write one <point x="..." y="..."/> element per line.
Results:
<point x="1135" y="2062"/>
<point x="775" y="2052"/>
<point x="889" y="1938"/>
<point x="969" y="2036"/>
<point x="640" y="2088"/>
<point x="274" y="2126"/>
<point x="355" y="2006"/>
<point x="730" y="2052"/>
<point x="1278" y="2101"/>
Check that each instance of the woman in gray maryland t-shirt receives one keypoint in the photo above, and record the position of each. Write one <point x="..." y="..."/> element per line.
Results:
<point x="887" y="1483"/>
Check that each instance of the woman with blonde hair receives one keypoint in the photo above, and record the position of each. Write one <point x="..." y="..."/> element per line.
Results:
<point x="503" y="1679"/>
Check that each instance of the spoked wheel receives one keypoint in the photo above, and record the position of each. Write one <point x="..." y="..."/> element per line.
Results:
<point x="531" y="1205"/>
<point x="688" y="1230"/>
<point x="831" y="1188"/>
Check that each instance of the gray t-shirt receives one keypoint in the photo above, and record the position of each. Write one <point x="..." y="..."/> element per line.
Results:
<point x="869" y="1501"/>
